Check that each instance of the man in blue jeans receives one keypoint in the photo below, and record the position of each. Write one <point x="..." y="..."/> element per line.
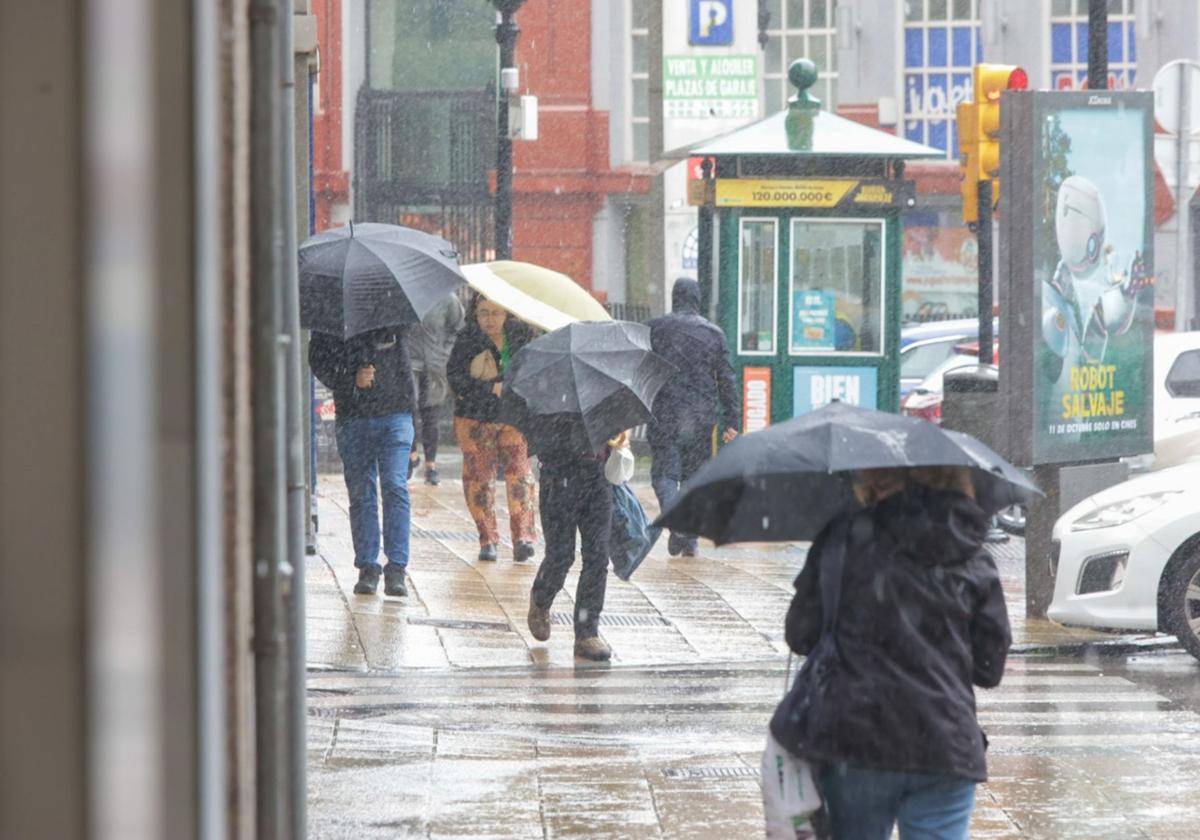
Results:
<point x="372" y="383"/>
<point x="701" y="394"/>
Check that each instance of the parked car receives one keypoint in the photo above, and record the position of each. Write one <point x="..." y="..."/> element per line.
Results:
<point x="1128" y="558"/>
<point x="923" y="347"/>
<point x="925" y="400"/>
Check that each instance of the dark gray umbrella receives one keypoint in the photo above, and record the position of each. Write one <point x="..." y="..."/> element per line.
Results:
<point x="787" y="481"/>
<point x="362" y="277"/>
<point x="590" y="380"/>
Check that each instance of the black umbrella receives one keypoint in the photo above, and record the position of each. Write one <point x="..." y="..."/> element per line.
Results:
<point x="590" y="380"/>
<point x="362" y="277"/>
<point x="786" y="482"/>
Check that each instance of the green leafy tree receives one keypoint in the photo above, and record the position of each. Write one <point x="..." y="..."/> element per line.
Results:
<point x="1056" y="146"/>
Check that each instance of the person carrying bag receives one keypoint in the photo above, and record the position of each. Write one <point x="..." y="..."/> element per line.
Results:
<point x="632" y="537"/>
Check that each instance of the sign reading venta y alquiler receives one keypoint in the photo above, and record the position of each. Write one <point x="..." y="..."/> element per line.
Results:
<point x="710" y="23"/>
<point x="710" y="87"/>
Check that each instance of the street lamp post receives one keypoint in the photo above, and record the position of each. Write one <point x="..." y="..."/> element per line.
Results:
<point x="506" y="36"/>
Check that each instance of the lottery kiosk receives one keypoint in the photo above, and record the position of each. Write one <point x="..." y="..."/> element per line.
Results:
<point x="808" y="207"/>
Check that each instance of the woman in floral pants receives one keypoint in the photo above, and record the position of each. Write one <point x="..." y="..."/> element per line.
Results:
<point x="476" y="369"/>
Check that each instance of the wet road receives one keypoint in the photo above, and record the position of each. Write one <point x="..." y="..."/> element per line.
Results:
<point x="1099" y="749"/>
<point x="438" y="716"/>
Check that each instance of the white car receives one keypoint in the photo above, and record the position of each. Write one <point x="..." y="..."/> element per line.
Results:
<point x="1128" y="558"/>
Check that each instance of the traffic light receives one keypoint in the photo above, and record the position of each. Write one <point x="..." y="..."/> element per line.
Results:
<point x="979" y="129"/>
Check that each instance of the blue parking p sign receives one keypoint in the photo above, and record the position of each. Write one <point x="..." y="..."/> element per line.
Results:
<point x="711" y="23"/>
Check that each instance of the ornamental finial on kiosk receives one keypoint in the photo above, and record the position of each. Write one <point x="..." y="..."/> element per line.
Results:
<point x="803" y="74"/>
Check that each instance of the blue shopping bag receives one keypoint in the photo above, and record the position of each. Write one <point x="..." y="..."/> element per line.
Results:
<point x="631" y="537"/>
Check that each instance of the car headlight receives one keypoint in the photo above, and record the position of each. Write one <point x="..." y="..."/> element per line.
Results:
<point x="1119" y="513"/>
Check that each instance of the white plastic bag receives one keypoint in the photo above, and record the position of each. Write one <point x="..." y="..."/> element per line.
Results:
<point x="619" y="467"/>
<point x="790" y="796"/>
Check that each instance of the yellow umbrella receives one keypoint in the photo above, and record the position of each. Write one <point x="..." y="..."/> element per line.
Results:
<point x="550" y="287"/>
<point x="529" y="309"/>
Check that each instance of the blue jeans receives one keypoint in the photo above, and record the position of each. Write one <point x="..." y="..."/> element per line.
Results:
<point x="376" y="449"/>
<point x="678" y="454"/>
<point x="865" y="804"/>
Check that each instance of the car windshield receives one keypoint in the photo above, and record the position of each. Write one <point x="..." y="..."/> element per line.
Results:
<point x="919" y="360"/>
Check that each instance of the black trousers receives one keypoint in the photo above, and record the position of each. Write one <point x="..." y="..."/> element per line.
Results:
<point x="425" y="419"/>
<point x="575" y="498"/>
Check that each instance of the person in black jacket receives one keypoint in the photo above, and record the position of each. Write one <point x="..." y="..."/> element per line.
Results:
<point x="921" y="619"/>
<point x="703" y="393"/>
<point x="480" y="358"/>
<point x="372" y="384"/>
<point x="574" y="495"/>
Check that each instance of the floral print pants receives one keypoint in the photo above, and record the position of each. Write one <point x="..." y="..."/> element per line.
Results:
<point x="484" y="447"/>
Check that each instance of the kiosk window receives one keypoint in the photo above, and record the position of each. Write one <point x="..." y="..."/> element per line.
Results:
<point x="756" y="286"/>
<point x="836" y="287"/>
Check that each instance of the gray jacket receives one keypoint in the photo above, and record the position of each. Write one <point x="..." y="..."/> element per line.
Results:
<point x="429" y="342"/>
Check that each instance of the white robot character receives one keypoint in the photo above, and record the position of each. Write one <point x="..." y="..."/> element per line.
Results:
<point x="1086" y="301"/>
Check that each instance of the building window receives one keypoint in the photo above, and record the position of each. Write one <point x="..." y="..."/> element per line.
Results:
<point x="1069" y="44"/>
<point x="639" y="78"/>
<point x="800" y="29"/>
<point x="941" y="45"/>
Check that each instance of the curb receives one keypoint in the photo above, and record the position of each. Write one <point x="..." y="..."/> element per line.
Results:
<point x="1116" y="647"/>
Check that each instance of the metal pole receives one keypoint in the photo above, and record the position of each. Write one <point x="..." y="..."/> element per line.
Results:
<point x="656" y="223"/>
<point x="1098" y="44"/>
<point x="506" y="36"/>
<point x="297" y="486"/>
<point x="1194" y="216"/>
<point x="1184" y="301"/>
<point x="985" y="271"/>
<point x="270" y="535"/>
<point x="704" y="234"/>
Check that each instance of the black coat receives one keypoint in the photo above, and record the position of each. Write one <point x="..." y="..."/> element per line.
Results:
<point x="705" y="389"/>
<point x="336" y="362"/>
<point x="473" y="398"/>
<point x="922" y="618"/>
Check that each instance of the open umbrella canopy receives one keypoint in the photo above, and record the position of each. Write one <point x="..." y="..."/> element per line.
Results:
<point x="786" y="482"/>
<point x="499" y="291"/>
<point x="551" y="288"/>
<point x="591" y="380"/>
<point x="359" y="278"/>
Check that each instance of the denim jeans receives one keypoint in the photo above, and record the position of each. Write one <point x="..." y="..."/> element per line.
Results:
<point x="677" y="455"/>
<point x="375" y="449"/>
<point x="865" y="804"/>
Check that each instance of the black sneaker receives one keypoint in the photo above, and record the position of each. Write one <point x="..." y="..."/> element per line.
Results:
<point x="690" y="549"/>
<point x="393" y="580"/>
<point x="368" y="580"/>
<point x="413" y="463"/>
<point x="431" y="477"/>
<point x="675" y="544"/>
<point x="523" y="551"/>
<point x="488" y="553"/>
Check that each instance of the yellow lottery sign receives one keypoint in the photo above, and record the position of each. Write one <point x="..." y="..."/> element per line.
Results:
<point x="802" y="192"/>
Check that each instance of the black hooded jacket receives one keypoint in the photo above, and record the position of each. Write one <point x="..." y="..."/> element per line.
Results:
<point x="473" y="398"/>
<point x="705" y="389"/>
<point x="921" y="619"/>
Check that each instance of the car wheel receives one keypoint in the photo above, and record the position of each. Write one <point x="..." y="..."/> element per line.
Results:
<point x="1183" y="603"/>
<point x="1012" y="519"/>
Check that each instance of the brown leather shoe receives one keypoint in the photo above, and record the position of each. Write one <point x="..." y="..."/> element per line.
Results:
<point x="539" y="620"/>
<point x="593" y="648"/>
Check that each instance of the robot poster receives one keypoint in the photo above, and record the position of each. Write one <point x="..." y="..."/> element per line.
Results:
<point x="1093" y="278"/>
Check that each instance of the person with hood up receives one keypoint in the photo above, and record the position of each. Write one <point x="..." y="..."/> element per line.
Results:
<point x="703" y="393"/>
<point x="430" y="342"/>
<point x="372" y="383"/>
<point x="888" y="724"/>
<point x="480" y="358"/>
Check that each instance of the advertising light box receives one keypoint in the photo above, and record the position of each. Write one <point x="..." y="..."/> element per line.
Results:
<point x="1077" y="269"/>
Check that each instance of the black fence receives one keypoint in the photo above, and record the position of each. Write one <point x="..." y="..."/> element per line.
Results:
<point x="422" y="160"/>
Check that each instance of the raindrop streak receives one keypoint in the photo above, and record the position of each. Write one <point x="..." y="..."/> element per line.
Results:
<point x="766" y="522"/>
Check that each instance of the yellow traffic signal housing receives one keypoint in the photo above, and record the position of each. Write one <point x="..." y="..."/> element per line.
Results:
<point x="968" y="163"/>
<point x="979" y="130"/>
<point x="990" y="81"/>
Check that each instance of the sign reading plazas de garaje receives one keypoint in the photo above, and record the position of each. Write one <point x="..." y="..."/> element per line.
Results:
<point x="710" y="87"/>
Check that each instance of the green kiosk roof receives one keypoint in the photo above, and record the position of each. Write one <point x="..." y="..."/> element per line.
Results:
<point x="831" y="136"/>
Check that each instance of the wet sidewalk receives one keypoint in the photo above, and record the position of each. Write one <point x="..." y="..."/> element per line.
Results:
<point x="727" y="604"/>
<point x="439" y="716"/>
